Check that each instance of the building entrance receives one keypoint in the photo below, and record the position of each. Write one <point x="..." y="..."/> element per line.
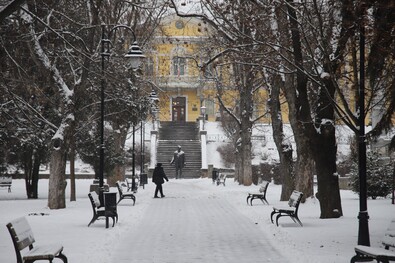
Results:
<point x="178" y="109"/>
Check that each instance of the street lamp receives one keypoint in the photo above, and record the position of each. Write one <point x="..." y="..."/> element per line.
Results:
<point x="203" y="112"/>
<point x="363" y="216"/>
<point x="154" y="100"/>
<point x="135" y="55"/>
<point x="153" y="97"/>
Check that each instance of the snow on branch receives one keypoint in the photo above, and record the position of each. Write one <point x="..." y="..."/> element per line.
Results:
<point x="66" y="93"/>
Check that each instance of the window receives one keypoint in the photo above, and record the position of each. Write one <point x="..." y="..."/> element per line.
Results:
<point x="208" y="70"/>
<point x="209" y="107"/>
<point x="179" y="66"/>
<point x="149" y="67"/>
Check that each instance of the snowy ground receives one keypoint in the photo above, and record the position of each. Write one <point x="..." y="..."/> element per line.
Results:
<point x="325" y="241"/>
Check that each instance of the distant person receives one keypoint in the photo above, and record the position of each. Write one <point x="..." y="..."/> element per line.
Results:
<point x="178" y="161"/>
<point x="159" y="178"/>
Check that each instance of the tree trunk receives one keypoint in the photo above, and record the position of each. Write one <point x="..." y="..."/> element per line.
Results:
<point x="32" y="168"/>
<point x="299" y="110"/>
<point x="57" y="177"/>
<point x="328" y="182"/>
<point x="238" y="164"/>
<point x="118" y="172"/>
<point x="304" y="168"/>
<point x="284" y="148"/>
<point x="246" y="165"/>
<point x="325" y="160"/>
<point x="72" y="170"/>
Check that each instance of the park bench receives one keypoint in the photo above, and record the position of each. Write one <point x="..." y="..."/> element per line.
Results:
<point x="291" y="210"/>
<point x="100" y="211"/>
<point x="22" y="237"/>
<point x="6" y="181"/>
<point x="127" y="195"/>
<point x="384" y="255"/>
<point x="261" y="195"/>
<point x="129" y="184"/>
<point x="221" y="179"/>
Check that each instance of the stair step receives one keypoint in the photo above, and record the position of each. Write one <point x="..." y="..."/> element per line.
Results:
<point x="185" y="134"/>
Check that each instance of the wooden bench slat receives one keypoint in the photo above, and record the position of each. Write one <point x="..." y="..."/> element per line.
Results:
<point x="261" y="195"/>
<point x="21" y="229"/>
<point x="22" y="237"/>
<point x="6" y="181"/>
<point x="43" y="252"/>
<point x="364" y="253"/>
<point x="291" y="210"/>
<point x="123" y="195"/>
<point x="375" y="252"/>
<point x="221" y="179"/>
<point x="100" y="211"/>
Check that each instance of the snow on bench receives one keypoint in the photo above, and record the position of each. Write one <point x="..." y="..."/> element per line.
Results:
<point x="6" y="181"/>
<point x="364" y="253"/>
<point x="22" y="237"/>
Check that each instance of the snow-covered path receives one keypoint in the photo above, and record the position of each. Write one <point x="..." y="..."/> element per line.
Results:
<point x="193" y="225"/>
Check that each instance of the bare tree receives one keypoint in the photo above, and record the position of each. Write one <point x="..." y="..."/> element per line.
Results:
<point x="62" y="41"/>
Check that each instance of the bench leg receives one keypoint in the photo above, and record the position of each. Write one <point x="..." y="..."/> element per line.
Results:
<point x="293" y="217"/>
<point x="248" y="197"/>
<point x="113" y="221"/>
<point x="272" y="214"/>
<point x="277" y="217"/>
<point x="297" y="220"/>
<point x="264" y="199"/>
<point x="360" y="258"/>
<point x="62" y="257"/>
<point x="92" y="221"/>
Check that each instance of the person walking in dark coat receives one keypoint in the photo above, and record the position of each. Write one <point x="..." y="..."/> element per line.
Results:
<point x="179" y="161"/>
<point x="159" y="178"/>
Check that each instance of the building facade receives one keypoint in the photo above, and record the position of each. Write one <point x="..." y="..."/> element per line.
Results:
<point x="172" y="65"/>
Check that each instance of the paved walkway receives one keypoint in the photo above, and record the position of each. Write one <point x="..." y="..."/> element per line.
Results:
<point x="188" y="226"/>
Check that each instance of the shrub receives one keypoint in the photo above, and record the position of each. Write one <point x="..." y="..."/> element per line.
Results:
<point x="227" y="153"/>
<point x="378" y="176"/>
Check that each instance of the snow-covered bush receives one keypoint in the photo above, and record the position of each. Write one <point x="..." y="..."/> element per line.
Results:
<point x="378" y="176"/>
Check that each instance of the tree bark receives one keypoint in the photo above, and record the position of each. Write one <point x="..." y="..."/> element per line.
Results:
<point x="72" y="170"/>
<point x="118" y="172"/>
<point x="57" y="177"/>
<point x="284" y="148"/>
<point x="325" y="160"/>
<point x="32" y="170"/>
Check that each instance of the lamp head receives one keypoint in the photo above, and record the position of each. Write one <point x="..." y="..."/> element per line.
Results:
<point x="135" y="56"/>
<point x="203" y="110"/>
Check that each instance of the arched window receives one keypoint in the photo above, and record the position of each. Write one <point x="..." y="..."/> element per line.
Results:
<point x="149" y="67"/>
<point x="179" y="66"/>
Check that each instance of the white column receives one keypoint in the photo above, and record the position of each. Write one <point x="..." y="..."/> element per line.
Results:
<point x="201" y="125"/>
<point x="154" y="136"/>
<point x="203" y="141"/>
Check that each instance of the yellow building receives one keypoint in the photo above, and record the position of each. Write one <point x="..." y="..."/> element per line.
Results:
<point x="172" y="65"/>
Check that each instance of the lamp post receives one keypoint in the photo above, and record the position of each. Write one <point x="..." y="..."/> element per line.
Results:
<point x="135" y="55"/>
<point x="134" y="160"/>
<point x="153" y="98"/>
<point x="203" y="112"/>
<point x="363" y="216"/>
<point x="142" y="130"/>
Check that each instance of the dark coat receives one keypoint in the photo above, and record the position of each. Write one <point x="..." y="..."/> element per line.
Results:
<point x="159" y="176"/>
<point x="178" y="159"/>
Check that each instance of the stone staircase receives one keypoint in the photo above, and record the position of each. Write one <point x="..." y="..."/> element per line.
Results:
<point x="185" y="134"/>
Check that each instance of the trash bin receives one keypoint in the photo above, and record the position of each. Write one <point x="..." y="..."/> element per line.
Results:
<point x="143" y="179"/>
<point x="214" y="175"/>
<point x="110" y="205"/>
